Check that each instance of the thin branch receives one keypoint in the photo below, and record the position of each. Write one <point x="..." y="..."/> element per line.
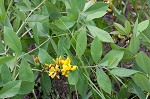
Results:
<point x="29" y="16"/>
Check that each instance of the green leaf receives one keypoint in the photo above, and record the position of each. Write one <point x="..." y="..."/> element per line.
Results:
<point x="143" y="62"/>
<point x="113" y="62"/>
<point x="54" y="45"/>
<point x="122" y="72"/>
<point x="37" y="18"/>
<point x="112" y="58"/>
<point x="53" y="11"/>
<point x="10" y="89"/>
<point x="81" y="42"/>
<point x="73" y="77"/>
<point x="127" y="27"/>
<point x="122" y="90"/>
<point x="64" y="23"/>
<point x="133" y="88"/>
<point x="77" y="5"/>
<point x="142" y="81"/>
<point x="96" y="49"/>
<point x="5" y="59"/>
<point x="143" y="25"/>
<point x="1" y="46"/>
<point x="135" y="29"/>
<point x="119" y="15"/>
<point x="97" y="10"/>
<point x="12" y="40"/>
<point x="1" y="83"/>
<point x="3" y="12"/>
<point x="46" y="83"/>
<point x="97" y="6"/>
<point x="120" y="28"/>
<point x="44" y="57"/>
<point x="60" y="51"/>
<point x="5" y="74"/>
<point x="101" y="34"/>
<point x="16" y="23"/>
<point x="103" y="80"/>
<point x="22" y="6"/>
<point x="21" y="14"/>
<point x="26" y="87"/>
<point x="80" y="4"/>
<point x="25" y="72"/>
<point x="134" y="45"/>
<point x="81" y="85"/>
<point x="35" y="33"/>
<point x="88" y="5"/>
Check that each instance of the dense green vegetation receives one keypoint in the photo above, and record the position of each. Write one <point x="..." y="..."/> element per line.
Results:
<point x="75" y="49"/>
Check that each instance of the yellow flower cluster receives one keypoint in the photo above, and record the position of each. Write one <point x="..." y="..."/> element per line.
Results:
<point x="60" y="66"/>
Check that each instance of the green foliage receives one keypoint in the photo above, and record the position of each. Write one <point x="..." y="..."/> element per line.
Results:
<point x="96" y="46"/>
<point x="12" y="40"/>
<point x="10" y="89"/>
<point x="103" y="81"/>
<point x="74" y="49"/>
<point x="101" y="34"/>
<point x="81" y="42"/>
<point x="5" y="74"/>
<point x="143" y="62"/>
<point x="46" y="83"/>
<point x="122" y="72"/>
<point x="44" y="57"/>
<point x="73" y="77"/>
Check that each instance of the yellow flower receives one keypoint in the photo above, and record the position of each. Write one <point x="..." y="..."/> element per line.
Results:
<point x="36" y="59"/>
<point x="52" y="72"/>
<point x="63" y="71"/>
<point x="109" y="10"/>
<point x="57" y="68"/>
<point x="67" y="61"/>
<point x="60" y="65"/>
<point x="74" y="68"/>
<point x="58" y="60"/>
<point x="47" y="66"/>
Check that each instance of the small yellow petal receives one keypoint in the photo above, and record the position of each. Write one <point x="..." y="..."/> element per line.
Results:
<point x="36" y="59"/>
<point x="57" y="68"/>
<point x="109" y="10"/>
<point x="74" y="68"/>
<point x="52" y="74"/>
<point x="67" y="61"/>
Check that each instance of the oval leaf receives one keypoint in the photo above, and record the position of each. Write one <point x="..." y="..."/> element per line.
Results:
<point x="122" y="72"/>
<point x="12" y="40"/>
<point x="103" y="80"/>
<point x="142" y="81"/>
<point x="101" y="34"/>
<point x="96" y="49"/>
<point x="143" y="25"/>
<point x="73" y="77"/>
<point x="25" y="72"/>
<point x="81" y="42"/>
<point x="134" y="45"/>
<point x="5" y="74"/>
<point x="120" y="28"/>
<point x="26" y="87"/>
<point x="143" y="62"/>
<point x="44" y="57"/>
<point x="112" y="58"/>
<point x="45" y="82"/>
<point x="127" y="27"/>
<point x="10" y="89"/>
